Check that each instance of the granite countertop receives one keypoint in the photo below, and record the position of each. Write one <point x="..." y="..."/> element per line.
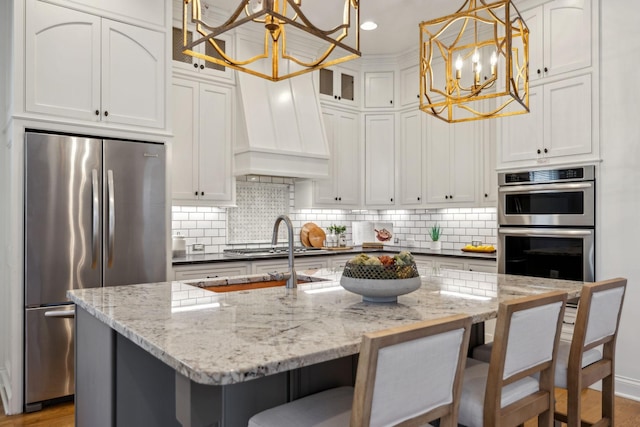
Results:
<point x="221" y="257"/>
<point x="225" y="338"/>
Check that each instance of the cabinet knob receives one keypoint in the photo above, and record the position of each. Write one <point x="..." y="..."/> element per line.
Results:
<point x="546" y="151"/>
<point x="335" y="96"/>
<point x="336" y="199"/>
<point x="196" y="193"/>
<point x="392" y="199"/>
<point x="486" y="195"/>
<point x="538" y="151"/>
<point x="418" y="198"/>
<point x="451" y="196"/>
<point x="391" y="102"/>
<point x="418" y="96"/>
<point x="339" y="98"/>
<point x="538" y="71"/>
<point x="546" y="69"/>
<point x="202" y="66"/>
<point x="446" y="197"/>
<point x="202" y="193"/>
<point x="196" y="66"/>
<point x="97" y="112"/>
<point x="106" y="113"/>
<point x="339" y="199"/>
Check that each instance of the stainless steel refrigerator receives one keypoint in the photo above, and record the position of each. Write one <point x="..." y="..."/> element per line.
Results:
<point x="94" y="216"/>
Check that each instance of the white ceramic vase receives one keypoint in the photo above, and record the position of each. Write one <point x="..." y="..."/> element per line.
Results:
<point x="436" y="246"/>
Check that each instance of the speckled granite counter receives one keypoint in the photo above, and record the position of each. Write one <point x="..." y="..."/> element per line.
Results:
<point x="226" y="338"/>
<point x="221" y="257"/>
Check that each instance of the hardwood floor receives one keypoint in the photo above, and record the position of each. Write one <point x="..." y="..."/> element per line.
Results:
<point x="627" y="413"/>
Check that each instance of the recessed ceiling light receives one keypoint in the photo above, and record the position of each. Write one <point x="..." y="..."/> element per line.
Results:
<point x="369" y="25"/>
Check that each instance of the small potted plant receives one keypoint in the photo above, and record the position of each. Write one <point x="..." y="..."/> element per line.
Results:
<point x="342" y="238"/>
<point x="434" y="233"/>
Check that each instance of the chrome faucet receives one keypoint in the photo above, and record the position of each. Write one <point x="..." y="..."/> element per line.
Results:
<point x="292" y="281"/>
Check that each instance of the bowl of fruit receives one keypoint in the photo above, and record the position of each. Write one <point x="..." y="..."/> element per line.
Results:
<point x="381" y="278"/>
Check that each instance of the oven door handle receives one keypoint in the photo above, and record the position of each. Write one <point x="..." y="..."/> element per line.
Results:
<point x="546" y="188"/>
<point x="545" y="232"/>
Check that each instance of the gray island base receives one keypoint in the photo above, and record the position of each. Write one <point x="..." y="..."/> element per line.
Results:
<point x="170" y="354"/>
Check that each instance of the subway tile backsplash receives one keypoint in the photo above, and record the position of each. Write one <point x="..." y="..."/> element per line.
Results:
<point x="214" y="227"/>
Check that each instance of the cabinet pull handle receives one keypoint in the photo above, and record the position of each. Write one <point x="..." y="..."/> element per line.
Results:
<point x="97" y="112"/>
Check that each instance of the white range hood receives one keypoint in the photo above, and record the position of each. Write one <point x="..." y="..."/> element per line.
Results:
<point x="280" y="130"/>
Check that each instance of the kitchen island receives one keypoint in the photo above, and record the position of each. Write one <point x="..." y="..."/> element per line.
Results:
<point x="174" y="354"/>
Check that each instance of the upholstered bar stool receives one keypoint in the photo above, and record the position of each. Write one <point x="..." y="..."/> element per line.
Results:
<point x="581" y="363"/>
<point x="409" y="374"/>
<point x="504" y="391"/>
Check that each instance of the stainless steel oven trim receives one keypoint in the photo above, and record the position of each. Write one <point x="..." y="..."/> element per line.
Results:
<point x="587" y="219"/>
<point x="587" y="235"/>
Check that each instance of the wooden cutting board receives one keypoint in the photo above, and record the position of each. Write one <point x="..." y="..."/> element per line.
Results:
<point x="317" y="237"/>
<point x="304" y="233"/>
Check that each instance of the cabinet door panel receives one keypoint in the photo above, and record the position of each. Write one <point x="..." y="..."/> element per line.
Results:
<point x="348" y="159"/>
<point x="379" y="159"/>
<point x="215" y="157"/>
<point x="379" y="90"/>
<point x="521" y="135"/>
<point x="438" y="168"/>
<point x="466" y="137"/>
<point x="568" y="27"/>
<point x="325" y="189"/>
<point x="409" y="86"/>
<point x="568" y="117"/>
<point x="133" y="75"/>
<point x="411" y="158"/>
<point x="62" y="62"/>
<point x="185" y="148"/>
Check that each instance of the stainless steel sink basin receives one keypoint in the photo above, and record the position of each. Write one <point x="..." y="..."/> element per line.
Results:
<point x="278" y="250"/>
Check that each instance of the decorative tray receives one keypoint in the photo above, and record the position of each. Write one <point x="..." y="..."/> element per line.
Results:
<point x="487" y="249"/>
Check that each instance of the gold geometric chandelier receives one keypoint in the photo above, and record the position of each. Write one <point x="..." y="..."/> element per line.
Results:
<point x="474" y="64"/>
<point x="273" y="24"/>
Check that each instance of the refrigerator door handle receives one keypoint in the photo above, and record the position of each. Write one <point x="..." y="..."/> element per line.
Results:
<point x="65" y="314"/>
<point x="96" y="219"/>
<point x="112" y="218"/>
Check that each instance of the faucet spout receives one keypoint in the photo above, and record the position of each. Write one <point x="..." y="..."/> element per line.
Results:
<point x="292" y="281"/>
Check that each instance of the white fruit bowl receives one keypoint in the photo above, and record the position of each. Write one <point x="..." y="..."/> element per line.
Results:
<point x="380" y="290"/>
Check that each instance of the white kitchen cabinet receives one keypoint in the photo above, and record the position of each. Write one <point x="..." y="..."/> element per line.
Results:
<point x="411" y="158"/>
<point x="281" y="265"/>
<point x="409" y="86"/>
<point x="202" y="157"/>
<point x="489" y="177"/>
<point x="379" y="160"/>
<point x="84" y="67"/>
<point x="451" y="162"/>
<point x="482" y="266"/>
<point x="560" y="37"/>
<point x="339" y="85"/>
<point x="204" y="271"/>
<point x="143" y="12"/>
<point x="342" y="188"/>
<point x="191" y="66"/>
<point x="558" y="128"/>
<point x="379" y="89"/>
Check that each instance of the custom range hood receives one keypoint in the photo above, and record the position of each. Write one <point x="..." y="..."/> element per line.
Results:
<point x="280" y="131"/>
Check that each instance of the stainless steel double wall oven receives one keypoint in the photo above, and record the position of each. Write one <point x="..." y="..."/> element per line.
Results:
<point x="546" y="223"/>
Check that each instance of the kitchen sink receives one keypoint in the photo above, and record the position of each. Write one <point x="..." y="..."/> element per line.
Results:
<point x="244" y="283"/>
<point x="278" y="250"/>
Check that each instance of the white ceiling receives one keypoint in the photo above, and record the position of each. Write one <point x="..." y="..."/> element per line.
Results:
<point x="397" y="20"/>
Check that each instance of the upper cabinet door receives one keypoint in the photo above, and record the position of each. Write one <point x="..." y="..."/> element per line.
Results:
<point x="62" y="62"/>
<point x="133" y="75"/>
<point x="560" y="37"/>
<point x="410" y="158"/>
<point x="379" y="159"/>
<point x="378" y="89"/>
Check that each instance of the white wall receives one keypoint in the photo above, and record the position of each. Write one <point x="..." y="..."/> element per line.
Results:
<point x="619" y="181"/>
